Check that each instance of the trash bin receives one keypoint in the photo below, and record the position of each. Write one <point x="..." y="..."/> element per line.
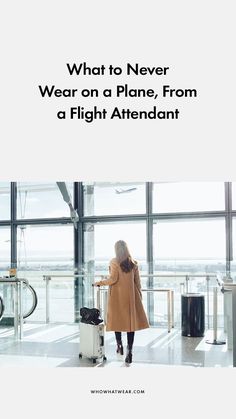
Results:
<point x="193" y="314"/>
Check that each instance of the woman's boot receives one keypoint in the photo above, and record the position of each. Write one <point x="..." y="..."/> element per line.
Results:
<point x="128" y="358"/>
<point x="119" y="348"/>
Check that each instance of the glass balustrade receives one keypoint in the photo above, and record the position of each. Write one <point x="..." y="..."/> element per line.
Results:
<point x="61" y="297"/>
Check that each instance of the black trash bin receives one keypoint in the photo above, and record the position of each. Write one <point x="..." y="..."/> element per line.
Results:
<point x="193" y="314"/>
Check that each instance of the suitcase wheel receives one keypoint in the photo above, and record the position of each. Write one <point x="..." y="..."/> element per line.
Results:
<point x="80" y="355"/>
<point x="104" y="358"/>
<point x="94" y="361"/>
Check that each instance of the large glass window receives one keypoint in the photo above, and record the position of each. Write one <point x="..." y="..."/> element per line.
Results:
<point x="114" y="198"/>
<point x="45" y="248"/>
<point x="4" y="201"/>
<point x="183" y="248"/>
<point x="41" y="200"/>
<point x="5" y="250"/>
<point x="48" y="250"/>
<point x="233" y="264"/>
<point x="234" y="195"/>
<point x="189" y="245"/>
<point x="188" y="196"/>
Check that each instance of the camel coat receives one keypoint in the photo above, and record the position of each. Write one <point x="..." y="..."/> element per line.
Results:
<point x="125" y="311"/>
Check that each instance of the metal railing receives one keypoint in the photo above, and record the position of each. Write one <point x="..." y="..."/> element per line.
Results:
<point x="225" y="287"/>
<point x="48" y="278"/>
<point x="184" y="288"/>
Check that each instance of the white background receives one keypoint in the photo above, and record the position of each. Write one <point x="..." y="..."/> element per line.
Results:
<point x="197" y="41"/>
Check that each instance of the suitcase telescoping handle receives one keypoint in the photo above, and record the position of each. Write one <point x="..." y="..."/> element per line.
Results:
<point x="99" y="301"/>
<point x="97" y="297"/>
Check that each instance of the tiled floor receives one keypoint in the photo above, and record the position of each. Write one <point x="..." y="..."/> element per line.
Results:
<point x="57" y="345"/>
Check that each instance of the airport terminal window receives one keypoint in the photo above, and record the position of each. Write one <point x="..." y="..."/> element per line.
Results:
<point x="233" y="263"/>
<point x="48" y="250"/>
<point x="234" y="195"/>
<point x="45" y="248"/>
<point x="41" y="200"/>
<point x="196" y="245"/>
<point x="188" y="196"/>
<point x="5" y="255"/>
<point x="4" y="201"/>
<point x="104" y="198"/>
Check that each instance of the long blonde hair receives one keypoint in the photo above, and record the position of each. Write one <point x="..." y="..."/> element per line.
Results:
<point x="123" y="256"/>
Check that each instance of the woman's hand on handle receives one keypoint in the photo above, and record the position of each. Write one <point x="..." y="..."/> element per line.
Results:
<point x="98" y="283"/>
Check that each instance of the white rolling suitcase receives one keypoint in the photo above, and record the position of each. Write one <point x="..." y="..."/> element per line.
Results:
<point x="92" y="343"/>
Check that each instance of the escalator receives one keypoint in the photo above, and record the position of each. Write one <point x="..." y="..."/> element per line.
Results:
<point x="1" y="307"/>
<point x="32" y="301"/>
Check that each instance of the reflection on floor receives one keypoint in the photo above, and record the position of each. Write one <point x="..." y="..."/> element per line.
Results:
<point x="57" y="345"/>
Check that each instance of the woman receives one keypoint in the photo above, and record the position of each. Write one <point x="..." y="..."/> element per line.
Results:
<point x="125" y="308"/>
